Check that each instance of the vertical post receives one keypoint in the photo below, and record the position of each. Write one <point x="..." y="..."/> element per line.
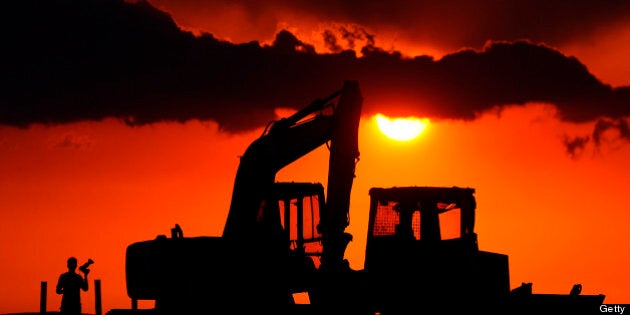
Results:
<point x="42" y="297"/>
<point x="134" y="304"/>
<point x="97" y="297"/>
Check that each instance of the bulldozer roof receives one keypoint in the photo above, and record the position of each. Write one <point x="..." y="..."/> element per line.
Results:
<point x="419" y="193"/>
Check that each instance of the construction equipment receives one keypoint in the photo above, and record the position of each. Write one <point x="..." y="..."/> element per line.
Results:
<point x="421" y="246"/>
<point x="277" y="235"/>
<point x="286" y="238"/>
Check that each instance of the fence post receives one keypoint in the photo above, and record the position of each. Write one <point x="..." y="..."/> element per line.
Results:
<point x="42" y="297"/>
<point x="97" y="298"/>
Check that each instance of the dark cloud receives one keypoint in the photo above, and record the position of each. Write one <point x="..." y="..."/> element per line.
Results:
<point x="87" y="60"/>
<point x="617" y="126"/>
<point x="447" y="24"/>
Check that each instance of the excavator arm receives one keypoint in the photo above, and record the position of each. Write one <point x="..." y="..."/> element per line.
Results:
<point x="289" y="139"/>
<point x="344" y="154"/>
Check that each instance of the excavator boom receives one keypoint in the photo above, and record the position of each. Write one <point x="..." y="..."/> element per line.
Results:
<point x="286" y="141"/>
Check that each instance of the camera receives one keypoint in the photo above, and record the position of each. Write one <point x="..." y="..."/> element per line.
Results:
<point x="84" y="267"/>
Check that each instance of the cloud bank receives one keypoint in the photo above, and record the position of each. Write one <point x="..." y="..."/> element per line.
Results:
<point x="73" y="60"/>
<point x="447" y="25"/>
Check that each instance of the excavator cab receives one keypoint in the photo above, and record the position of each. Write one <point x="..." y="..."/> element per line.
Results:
<point x="299" y="207"/>
<point x="296" y="208"/>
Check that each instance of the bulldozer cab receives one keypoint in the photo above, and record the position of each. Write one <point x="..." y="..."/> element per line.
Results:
<point x="422" y="213"/>
<point x="424" y="237"/>
<point x="411" y="227"/>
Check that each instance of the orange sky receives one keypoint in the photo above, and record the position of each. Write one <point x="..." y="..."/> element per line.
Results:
<point x="79" y="190"/>
<point x="90" y="189"/>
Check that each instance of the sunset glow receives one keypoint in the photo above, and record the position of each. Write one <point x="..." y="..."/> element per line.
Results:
<point x="120" y="119"/>
<point x="401" y="129"/>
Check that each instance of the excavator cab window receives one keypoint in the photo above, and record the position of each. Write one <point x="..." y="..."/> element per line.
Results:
<point x="302" y="215"/>
<point x="299" y="209"/>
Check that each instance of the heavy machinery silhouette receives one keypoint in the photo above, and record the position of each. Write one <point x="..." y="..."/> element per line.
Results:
<point x="286" y="238"/>
<point x="421" y="246"/>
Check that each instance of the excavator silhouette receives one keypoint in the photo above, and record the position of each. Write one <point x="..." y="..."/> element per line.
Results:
<point x="284" y="238"/>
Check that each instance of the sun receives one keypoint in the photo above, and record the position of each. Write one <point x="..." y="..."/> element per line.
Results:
<point x="401" y="129"/>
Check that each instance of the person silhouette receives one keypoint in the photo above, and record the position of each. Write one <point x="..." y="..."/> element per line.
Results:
<point x="70" y="285"/>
